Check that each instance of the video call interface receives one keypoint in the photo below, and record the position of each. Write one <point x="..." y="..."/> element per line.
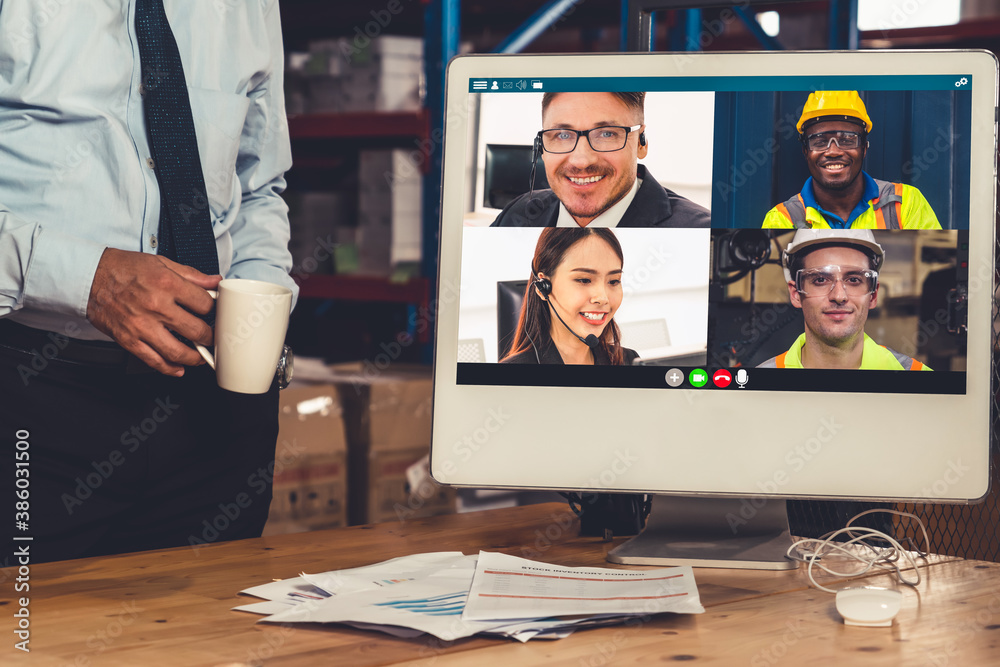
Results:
<point x="708" y="179"/>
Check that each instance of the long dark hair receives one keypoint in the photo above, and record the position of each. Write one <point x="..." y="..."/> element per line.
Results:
<point x="535" y="322"/>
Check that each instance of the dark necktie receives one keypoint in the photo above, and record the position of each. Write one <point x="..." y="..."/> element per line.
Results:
<point x="185" y="233"/>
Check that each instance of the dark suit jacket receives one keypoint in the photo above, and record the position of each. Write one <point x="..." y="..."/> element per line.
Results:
<point x="548" y="354"/>
<point x="653" y="206"/>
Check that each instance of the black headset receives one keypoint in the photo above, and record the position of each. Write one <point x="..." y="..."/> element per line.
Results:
<point x="642" y="138"/>
<point x="543" y="285"/>
<point x="536" y="148"/>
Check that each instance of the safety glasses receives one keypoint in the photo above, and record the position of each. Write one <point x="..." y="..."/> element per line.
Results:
<point x="823" y="280"/>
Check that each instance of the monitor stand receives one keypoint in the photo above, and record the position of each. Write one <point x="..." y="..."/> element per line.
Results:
<point x="743" y="533"/>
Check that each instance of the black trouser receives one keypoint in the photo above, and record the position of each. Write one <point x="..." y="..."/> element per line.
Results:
<point x="123" y="461"/>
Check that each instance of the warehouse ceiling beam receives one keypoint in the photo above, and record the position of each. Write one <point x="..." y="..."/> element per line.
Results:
<point x="766" y="41"/>
<point x="538" y="23"/>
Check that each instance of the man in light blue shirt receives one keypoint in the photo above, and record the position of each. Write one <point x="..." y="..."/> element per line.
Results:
<point x="84" y="297"/>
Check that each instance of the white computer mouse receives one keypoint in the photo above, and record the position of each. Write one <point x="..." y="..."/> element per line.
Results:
<point x="868" y="605"/>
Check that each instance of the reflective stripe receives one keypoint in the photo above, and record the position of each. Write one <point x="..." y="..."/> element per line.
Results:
<point x="888" y="208"/>
<point x="779" y="361"/>
<point x="783" y="210"/>
<point x="879" y="219"/>
<point x="773" y="362"/>
<point x="795" y="210"/>
<point x="908" y="363"/>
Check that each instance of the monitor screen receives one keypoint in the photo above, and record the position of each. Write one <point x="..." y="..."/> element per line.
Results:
<point x="754" y="274"/>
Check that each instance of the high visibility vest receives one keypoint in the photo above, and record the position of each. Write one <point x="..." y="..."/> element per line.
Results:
<point x="874" y="357"/>
<point x="888" y="207"/>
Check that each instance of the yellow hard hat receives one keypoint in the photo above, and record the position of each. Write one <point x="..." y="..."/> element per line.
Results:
<point x="824" y="103"/>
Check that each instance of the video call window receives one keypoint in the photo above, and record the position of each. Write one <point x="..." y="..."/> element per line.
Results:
<point x="753" y="165"/>
<point x="676" y="123"/>
<point x="916" y="138"/>
<point x="913" y="308"/>
<point x="660" y="305"/>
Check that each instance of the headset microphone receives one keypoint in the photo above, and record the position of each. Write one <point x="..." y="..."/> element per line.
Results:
<point x="545" y="287"/>
<point x="536" y="150"/>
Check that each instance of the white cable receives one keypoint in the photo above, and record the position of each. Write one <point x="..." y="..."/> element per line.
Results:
<point x="885" y="558"/>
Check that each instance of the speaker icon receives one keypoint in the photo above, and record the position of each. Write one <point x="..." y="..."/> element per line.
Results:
<point x="522" y="84"/>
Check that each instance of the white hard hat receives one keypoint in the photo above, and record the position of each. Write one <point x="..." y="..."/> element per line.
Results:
<point x="808" y="238"/>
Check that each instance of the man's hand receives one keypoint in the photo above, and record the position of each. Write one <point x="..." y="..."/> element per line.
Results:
<point x="138" y="299"/>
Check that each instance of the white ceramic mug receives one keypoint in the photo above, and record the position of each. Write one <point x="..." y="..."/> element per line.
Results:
<point x="251" y="318"/>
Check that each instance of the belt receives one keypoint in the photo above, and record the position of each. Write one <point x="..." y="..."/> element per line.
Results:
<point x="54" y="346"/>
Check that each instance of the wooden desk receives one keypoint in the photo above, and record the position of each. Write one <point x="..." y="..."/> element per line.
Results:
<point x="172" y="607"/>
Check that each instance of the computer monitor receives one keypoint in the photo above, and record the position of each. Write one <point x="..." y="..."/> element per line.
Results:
<point x="765" y="402"/>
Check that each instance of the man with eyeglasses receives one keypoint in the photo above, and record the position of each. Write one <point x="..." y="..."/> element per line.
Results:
<point x="833" y="130"/>
<point x="591" y="144"/>
<point x="832" y="277"/>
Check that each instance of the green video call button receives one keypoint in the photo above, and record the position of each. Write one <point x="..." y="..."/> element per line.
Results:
<point x="698" y="377"/>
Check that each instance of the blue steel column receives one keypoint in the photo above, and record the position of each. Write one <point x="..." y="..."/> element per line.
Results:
<point x="683" y="35"/>
<point x="844" y="24"/>
<point x="441" y="34"/>
<point x="692" y="20"/>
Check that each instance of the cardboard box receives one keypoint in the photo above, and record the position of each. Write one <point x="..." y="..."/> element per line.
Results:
<point x="348" y="74"/>
<point x="388" y="423"/>
<point x="392" y="497"/>
<point x="389" y="209"/>
<point x="319" y="223"/>
<point x="310" y="473"/>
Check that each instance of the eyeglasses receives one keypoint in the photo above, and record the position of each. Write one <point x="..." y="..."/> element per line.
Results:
<point x="821" y="140"/>
<point x="821" y="281"/>
<point x="606" y="139"/>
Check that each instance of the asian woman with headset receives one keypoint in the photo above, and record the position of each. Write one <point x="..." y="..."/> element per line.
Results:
<point x="575" y="276"/>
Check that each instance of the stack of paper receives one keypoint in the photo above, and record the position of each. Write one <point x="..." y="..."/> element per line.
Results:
<point x="451" y="595"/>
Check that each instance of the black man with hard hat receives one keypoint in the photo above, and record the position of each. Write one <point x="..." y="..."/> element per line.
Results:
<point x="833" y="130"/>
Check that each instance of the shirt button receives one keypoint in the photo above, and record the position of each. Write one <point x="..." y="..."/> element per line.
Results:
<point x="150" y="163"/>
<point x="152" y="240"/>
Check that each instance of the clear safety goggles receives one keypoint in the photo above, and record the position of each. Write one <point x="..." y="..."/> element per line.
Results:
<point x="821" y="141"/>
<point x="822" y="280"/>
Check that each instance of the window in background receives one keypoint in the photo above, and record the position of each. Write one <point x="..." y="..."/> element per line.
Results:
<point x="881" y="15"/>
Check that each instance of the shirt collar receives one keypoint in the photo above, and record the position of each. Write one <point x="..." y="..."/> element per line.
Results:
<point x="609" y="218"/>
<point x="870" y="192"/>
